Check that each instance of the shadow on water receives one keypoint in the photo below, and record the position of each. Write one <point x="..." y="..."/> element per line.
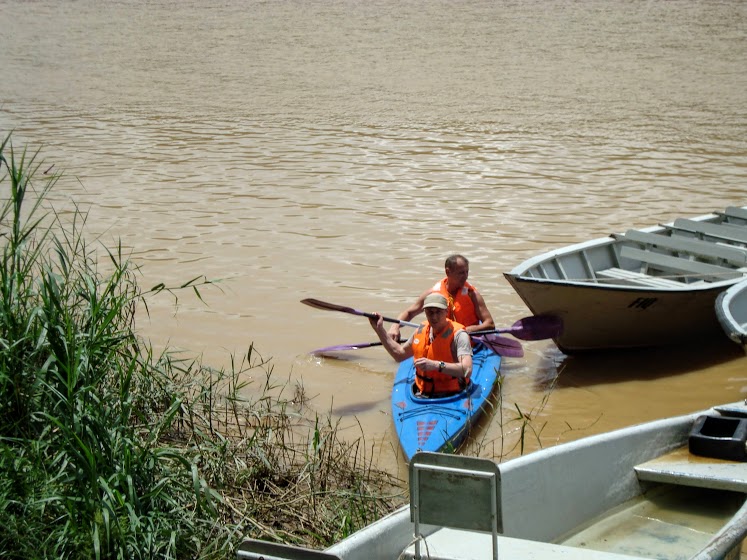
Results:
<point x="341" y="356"/>
<point x="355" y="408"/>
<point x="642" y="364"/>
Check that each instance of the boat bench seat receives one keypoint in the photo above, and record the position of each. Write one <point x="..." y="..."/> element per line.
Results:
<point x="686" y="267"/>
<point x="689" y="245"/>
<point x="632" y="277"/>
<point x="726" y="231"/>
<point x="734" y="212"/>
<point x="682" y="467"/>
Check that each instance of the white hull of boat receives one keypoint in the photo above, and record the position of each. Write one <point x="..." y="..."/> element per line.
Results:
<point x="731" y="310"/>
<point x="646" y="287"/>
<point x="629" y="494"/>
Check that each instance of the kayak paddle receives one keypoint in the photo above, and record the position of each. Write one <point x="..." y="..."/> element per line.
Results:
<point x="333" y="307"/>
<point x="502" y="346"/>
<point x="343" y="347"/>
<point x="535" y="327"/>
<point x="506" y="347"/>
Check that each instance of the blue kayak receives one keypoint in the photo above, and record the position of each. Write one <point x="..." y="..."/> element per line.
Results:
<point x="440" y="424"/>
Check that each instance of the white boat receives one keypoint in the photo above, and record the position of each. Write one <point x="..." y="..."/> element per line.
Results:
<point x="669" y="489"/>
<point x="644" y="287"/>
<point x="731" y="310"/>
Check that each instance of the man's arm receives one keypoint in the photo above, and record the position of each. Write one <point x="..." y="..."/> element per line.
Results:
<point x="462" y="367"/>
<point x="407" y="315"/>
<point x="464" y="355"/>
<point x="482" y="312"/>
<point x="466" y="363"/>
<point x="399" y="352"/>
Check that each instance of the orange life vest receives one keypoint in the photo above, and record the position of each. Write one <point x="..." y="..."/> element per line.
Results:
<point x="429" y="382"/>
<point x="461" y="307"/>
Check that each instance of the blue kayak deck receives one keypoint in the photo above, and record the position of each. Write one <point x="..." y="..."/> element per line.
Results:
<point x="440" y="424"/>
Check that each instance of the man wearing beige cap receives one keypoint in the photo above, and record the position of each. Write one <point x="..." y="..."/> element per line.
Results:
<point x="441" y="349"/>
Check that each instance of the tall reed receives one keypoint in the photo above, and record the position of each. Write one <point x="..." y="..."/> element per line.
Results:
<point x="108" y="450"/>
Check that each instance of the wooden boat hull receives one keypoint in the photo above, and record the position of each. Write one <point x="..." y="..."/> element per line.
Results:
<point x="441" y="423"/>
<point x="731" y="311"/>
<point x="628" y="494"/>
<point x="645" y="287"/>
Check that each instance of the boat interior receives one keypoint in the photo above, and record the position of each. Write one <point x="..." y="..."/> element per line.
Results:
<point x="666" y="489"/>
<point x="681" y="254"/>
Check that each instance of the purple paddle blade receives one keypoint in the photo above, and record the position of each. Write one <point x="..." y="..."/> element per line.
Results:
<point x="536" y="327"/>
<point x="506" y="347"/>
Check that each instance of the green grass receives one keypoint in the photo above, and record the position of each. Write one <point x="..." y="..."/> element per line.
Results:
<point x="109" y="450"/>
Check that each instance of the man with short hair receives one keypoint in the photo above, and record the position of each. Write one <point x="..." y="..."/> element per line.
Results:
<point x="466" y="304"/>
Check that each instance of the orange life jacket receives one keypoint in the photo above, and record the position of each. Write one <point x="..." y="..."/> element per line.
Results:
<point x="461" y="307"/>
<point x="440" y="350"/>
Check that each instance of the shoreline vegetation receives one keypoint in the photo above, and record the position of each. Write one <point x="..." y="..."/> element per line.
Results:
<point x="110" y="450"/>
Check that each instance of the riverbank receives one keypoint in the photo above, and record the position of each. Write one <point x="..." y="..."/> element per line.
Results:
<point x="109" y="449"/>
